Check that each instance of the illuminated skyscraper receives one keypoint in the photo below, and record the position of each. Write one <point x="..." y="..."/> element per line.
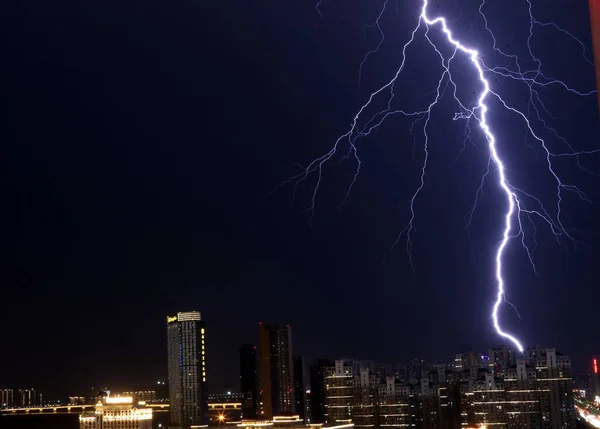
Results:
<point x="187" y="370"/>
<point x="276" y="370"/>
<point x="28" y="398"/>
<point x="595" y="384"/>
<point x="7" y="398"/>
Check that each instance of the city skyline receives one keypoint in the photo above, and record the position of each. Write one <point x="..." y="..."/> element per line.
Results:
<point x="454" y="392"/>
<point x="534" y="388"/>
<point x="187" y="371"/>
<point x="276" y="345"/>
<point x="230" y="379"/>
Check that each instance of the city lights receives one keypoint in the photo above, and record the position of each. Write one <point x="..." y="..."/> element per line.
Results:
<point x="119" y="400"/>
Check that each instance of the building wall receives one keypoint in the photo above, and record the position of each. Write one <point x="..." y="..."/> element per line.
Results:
<point x="555" y="385"/>
<point x="276" y="370"/>
<point x="339" y="392"/>
<point x="187" y="369"/>
<point x="124" y="416"/>
<point x="174" y="373"/>
<point x="282" y="370"/>
<point x="7" y="398"/>
<point x="449" y="396"/>
<point x="265" y="372"/>
<point x="24" y="397"/>
<point x="141" y="395"/>
<point x="299" y="387"/>
<point x="249" y="379"/>
<point x="472" y="391"/>
<point x="522" y="397"/>
<point x="427" y="411"/>
<point x="317" y="390"/>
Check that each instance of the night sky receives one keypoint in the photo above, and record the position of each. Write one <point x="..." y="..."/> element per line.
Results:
<point x="141" y="140"/>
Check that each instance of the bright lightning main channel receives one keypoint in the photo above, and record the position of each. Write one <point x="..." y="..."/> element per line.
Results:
<point x="518" y="202"/>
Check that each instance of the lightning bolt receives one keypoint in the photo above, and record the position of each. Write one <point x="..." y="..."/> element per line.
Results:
<point x="520" y="204"/>
<point x="318" y="10"/>
<point x="381" y="40"/>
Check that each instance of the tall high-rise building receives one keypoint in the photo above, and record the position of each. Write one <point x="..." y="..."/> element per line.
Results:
<point x="595" y="384"/>
<point x="555" y="384"/>
<point x="501" y="359"/>
<point x="484" y="401"/>
<point x="7" y="398"/>
<point x="266" y="405"/>
<point x="186" y="334"/>
<point x="28" y="398"/>
<point x="535" y="392"/>
<point x="370" y="396"/>
<point x="522" y="396"/>
<point x="317" y="390"/>
<point x="300" y="387"/>
<point x="394" y="410"/>
<point x="366" y="395"/>
<point x="277" y="370"/>
<point x="249" y="380"/>
<point x="340" y="391"/>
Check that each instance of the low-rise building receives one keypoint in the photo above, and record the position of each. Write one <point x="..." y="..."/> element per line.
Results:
<point x="117" y="413"/>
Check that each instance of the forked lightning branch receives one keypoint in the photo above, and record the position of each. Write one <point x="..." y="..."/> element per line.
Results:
<point x="519" y="204"/>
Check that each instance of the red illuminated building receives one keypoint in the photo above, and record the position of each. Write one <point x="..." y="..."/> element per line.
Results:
<point x="595" y="384"/>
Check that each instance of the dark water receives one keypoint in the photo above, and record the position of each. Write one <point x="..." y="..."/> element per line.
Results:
<point x="61" y="421"/>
